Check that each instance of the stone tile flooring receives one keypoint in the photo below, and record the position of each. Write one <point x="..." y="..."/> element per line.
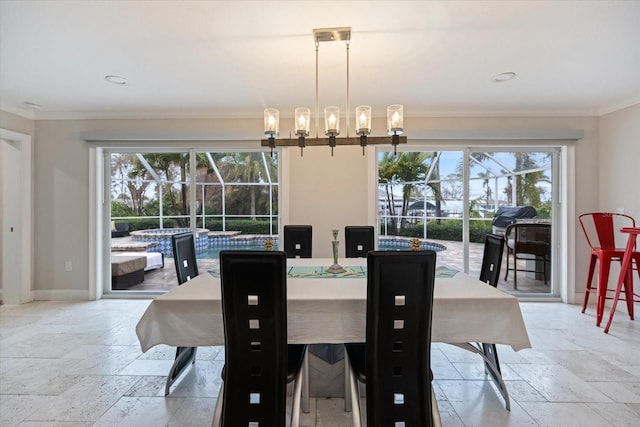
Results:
<point x="79" y="364"/>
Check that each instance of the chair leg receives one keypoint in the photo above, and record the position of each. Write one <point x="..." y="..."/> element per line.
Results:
<point x="435" y="412"/>
<point x="355" y="395"/>
<point x="507" y="272"/>
<point x="217" y="414"/>
<point x="603" y="283"/>
<point x="296" y="398"/>
<point x="348" y="407"/>
<point x="305" y="383"/>
<point x="184" y="357"/>
<point x="587" y="289"/>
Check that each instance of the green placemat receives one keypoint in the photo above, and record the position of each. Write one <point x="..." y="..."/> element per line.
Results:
<point x="445" y="272"/>
<point x="320" y="272"/>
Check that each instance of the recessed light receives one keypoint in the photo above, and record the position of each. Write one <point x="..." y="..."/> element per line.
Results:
<point x="32" y="106"/>
<point x="116" y="80"/>
<point x="503" y="77"/>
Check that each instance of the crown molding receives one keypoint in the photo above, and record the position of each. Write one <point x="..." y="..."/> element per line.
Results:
<point x="613" y="108"/>
<point x="27" y="114"/>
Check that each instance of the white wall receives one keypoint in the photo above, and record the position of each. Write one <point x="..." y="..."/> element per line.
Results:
<point x="619" y="161"/>
<point x="326" y="191"/>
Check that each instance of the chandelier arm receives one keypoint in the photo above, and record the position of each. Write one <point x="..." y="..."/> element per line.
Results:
<point x="317" y="103"/>
<point x="348" y="105"/>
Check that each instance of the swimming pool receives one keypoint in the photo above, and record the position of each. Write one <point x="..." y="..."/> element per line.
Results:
<point x="389" y="245"/>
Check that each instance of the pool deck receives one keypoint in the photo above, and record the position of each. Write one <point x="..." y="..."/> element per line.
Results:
<point x="164" y="279"/>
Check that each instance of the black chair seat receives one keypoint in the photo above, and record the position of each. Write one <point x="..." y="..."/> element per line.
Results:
<point x="295" y="358"/>
<point x="358" y="360"/>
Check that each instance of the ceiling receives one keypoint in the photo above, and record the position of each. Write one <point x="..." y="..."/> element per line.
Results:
<point x="234" y="58"/>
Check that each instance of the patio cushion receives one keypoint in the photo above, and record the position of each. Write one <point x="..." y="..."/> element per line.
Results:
<point x="125" y="264"/>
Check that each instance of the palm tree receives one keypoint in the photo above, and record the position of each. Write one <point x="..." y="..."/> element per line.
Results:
<point x="248" y="167"/>
<point x="486" y="187"/>
<point x="402" y="169"/>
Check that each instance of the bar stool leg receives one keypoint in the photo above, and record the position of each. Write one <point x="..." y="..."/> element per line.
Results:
<point x="603" y="285"/>
<point x="624" y="274"/>
<point x="587" y="291"/>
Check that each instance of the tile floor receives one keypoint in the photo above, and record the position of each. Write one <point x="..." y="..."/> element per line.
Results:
<point x="78" y="364"/>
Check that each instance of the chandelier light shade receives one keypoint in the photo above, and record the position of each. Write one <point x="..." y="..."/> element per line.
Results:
<point x="271" y="126"/>
<point x="302" y="115"/>
<point x="363" y="120"/>
<point x="302" y="121"/>
<point x="332" y="121"/>
<point x="394" y="119"/>
<point x="332" y="125"/>
<point x="363" y="124"/>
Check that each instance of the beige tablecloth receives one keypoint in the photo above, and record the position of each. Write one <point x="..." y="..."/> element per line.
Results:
<point x="334" y="311"/>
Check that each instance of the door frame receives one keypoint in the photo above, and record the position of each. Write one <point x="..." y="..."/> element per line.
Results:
<point x="20" y="292"/>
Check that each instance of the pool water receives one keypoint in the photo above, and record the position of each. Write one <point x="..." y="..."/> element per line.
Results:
<point x="214" y="252"/>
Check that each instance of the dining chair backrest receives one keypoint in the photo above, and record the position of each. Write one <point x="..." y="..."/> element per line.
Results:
<point x="398" y="337"/>
<point x="254" y="307"/>
<point x="359" y="240"/>
<point x="602" y="229"/>
<point x="492" y="259"/>
<point x="184" y="256"/>
<point x="297" y="241"/>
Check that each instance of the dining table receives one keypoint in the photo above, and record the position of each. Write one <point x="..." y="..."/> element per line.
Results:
<point x="328" y="308"/>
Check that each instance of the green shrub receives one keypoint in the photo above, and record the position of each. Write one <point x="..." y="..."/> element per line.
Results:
<point x="246" y="226"/>
<point x="450" y="230"/>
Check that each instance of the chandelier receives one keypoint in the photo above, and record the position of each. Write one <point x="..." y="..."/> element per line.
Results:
<point x="302" y="115"/>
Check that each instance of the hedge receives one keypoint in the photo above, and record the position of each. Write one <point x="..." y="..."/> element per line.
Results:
<point x="450" y="230"/>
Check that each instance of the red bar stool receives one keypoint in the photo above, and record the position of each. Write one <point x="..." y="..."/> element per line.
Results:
<point x="607" y="244"/>
<point x="626" y="275"/>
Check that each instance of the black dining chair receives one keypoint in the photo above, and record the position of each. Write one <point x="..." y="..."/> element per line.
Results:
<point x="184" y="256"/>
<point x="359" y="240"/>
<point x="298" y="240"/>
<point x="395" y="361"/>
<point x="258" y="361"/>
<point x="490" y="274"/>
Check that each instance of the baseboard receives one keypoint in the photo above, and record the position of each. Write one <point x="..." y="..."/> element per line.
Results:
<point x="61" y="295"/>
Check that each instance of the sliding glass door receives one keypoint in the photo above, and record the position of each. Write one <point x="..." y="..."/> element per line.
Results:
<point x="449" y="199"/>
<point x="229" y="199"/>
